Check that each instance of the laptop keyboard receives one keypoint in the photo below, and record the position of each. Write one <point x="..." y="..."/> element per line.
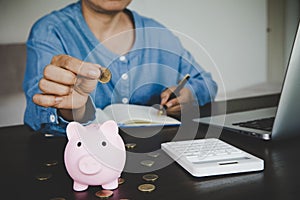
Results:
<point x="265" y="124"/>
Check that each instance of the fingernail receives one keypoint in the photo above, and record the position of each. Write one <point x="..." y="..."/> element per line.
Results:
<point x="58" y="99"/>
<point x="169" y="105"/>
<point x="164" y="99"/>
<point x="93" y="73"/>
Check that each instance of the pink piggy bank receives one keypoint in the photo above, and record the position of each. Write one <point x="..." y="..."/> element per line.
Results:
<point x="94" y="155"/>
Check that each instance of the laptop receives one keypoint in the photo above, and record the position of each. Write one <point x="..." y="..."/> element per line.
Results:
<point x="278" y="122"/>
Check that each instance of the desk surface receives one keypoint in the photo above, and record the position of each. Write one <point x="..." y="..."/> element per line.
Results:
<point x="24" y="154"/>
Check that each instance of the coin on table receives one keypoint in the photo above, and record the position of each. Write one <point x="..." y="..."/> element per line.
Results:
<point x="51" y="163"/>
<point x="153" y="154"/>
<point x="58" y="198"/>
<point x="121" y="181"/>
<point x="105" y="75"/>
<point x="48" y="135"/>
<point x="104" y="193"/>
<point x="146" y="187"/>
<point x="43" y="176"/>
<point x="147" y="163"/>
<point x="130" y="145"/>
<point x="150" y="177"/>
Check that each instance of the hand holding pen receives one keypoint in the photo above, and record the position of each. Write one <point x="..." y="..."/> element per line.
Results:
<point x="172" y="97"/>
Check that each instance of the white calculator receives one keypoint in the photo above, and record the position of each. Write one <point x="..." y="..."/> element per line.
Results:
<point x="209" y="157"/>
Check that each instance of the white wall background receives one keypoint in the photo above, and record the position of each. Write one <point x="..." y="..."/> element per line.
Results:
<point x="233" y="32"/>
<point x="17" y="17"/>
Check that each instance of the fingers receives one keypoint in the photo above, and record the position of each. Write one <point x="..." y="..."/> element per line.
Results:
<point x="59" y="75"/>
<point x="46" y="100"/>
<point x="184" y="97"/>
<point x="78" y="67"/>
<point x="172" y="103"/>
<point x="53" y="88"/>
<point x="165" y="95"/>
<point x="73" y="101"/>
<point x="67" y="82"/>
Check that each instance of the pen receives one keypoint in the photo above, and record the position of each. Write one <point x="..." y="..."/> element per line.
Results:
<point x="175" y="93"/>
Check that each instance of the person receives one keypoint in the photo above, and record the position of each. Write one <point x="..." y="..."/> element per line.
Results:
<point x="68" y="49"/>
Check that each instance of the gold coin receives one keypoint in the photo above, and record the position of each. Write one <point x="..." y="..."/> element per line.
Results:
<point x="150" y="177"/>
<point x="153" y="154"/>
<point x="43" y="177"/>
<point x="121" y="181"/>
<point x="147" y="163"/>
<point x="161" y="112"/>
<point x="51" y="163"/>
<point x="105" y="75"/>
<point x="104" y="193"/>
<point x="146" y="187"/>
<point x="48" y="135"/>
<point x="130" y="145"/>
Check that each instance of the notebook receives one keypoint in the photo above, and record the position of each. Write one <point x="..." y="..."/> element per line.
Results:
<point x="277" y="122"/>
<point x="129" y="115"/>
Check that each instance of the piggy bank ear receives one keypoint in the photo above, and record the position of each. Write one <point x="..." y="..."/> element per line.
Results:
<point x="73" y="129"/>
<point x="110" y="127"/>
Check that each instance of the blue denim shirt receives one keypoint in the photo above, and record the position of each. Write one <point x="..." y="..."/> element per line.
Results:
<point x="156" y="61"/>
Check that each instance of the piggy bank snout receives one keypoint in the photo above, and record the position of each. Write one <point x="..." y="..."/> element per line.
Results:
<point x="88" y="165"/>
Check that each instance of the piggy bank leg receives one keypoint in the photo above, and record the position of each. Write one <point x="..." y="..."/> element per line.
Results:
<point x="79" y="187"/>
<point x="111" y="186"/>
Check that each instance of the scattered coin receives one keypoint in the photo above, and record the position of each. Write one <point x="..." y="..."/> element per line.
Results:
<point x="146" y="187"/>
<point x="150" y="177"/>
<point x="147" y="163"/>
<point x="104" y="193"/>
<point x="130" y="145"/>
<point x="51" y="163"/>
<point x="105" y="75"/>
<point x="121" y="181"/>
<point x="43" y="176"/>
<point x="153" y="154"/>
<point x="58" y="198"/>
<point x="48" y="135"/>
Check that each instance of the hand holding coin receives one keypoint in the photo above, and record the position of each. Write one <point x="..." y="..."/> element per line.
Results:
<point x="67" y="83"/>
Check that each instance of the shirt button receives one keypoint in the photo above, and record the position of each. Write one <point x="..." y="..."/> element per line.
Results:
<point x="122" y="58"/>
<point x="124" y="76"/>
<point x="52" y="118"/>
<point x="124" y="100"/>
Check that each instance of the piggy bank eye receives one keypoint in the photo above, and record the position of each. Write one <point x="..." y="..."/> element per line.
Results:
<point x="104" y="143"/>
<point x="79" y="144"/>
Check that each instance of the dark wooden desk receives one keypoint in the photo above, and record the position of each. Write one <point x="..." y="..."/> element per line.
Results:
<point x="24" y="154"/>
